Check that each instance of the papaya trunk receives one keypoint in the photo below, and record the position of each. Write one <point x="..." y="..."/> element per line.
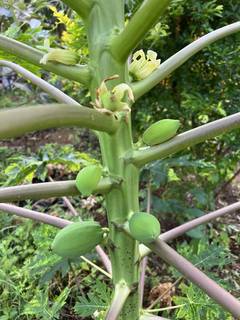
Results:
<point x="105" y="20"/>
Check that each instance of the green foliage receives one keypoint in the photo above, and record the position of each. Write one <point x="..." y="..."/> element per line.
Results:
<point x="212" y="258"/>
<point x="23" y="168"/>
<point x="195" y="304"/>
<point x="39" y="306"/>
<point x="95" y="302"/>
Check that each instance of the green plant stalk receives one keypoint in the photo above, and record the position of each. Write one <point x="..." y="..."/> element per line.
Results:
<point x="79" y="73"/>
<point x="17" y="121"/>
<point x="48" y="190"/>
<point x="137" y="27"/>
<point x="82" y="7"/>
<point x="121" y="293"/>
<point x="104" y="19"/>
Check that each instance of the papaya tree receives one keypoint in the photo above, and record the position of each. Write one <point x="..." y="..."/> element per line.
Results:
<point x="116" y="76"/>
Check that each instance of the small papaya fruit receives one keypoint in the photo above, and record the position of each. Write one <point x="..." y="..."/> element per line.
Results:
<point x="161" y="131"/>
<point x="88" y="179"/>
<point x="77" y="239"/>
<point x="144" y="227"/>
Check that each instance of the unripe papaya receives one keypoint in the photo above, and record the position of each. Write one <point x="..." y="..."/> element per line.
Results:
<point x="161" y="131"/>
<point x="144" y="227"/>
<point x="88" y="179"/>
<point x="77" y="239"/>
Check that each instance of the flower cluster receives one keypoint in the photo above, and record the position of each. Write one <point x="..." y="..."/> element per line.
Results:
<point x="116" y="99"/>
<point x="143" y="65"/>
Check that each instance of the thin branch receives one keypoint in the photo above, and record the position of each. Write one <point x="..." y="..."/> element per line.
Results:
<point x="77" y="73"/>
<point x="96" y="267"/>
<point x="34" y="215"/>
<point x="70" y="207"/>
<point x="67" y="202"/>
<point x="151" y="317"/>
<point x="178" y="231"/>
<point x="143" y="267"/>
<point x="225" y="184"/>
<point x="18" y="121"/>
<point x="141" y="22"/>
<point x="175" y="61"/>
<point x="121" y="293"/>
<point x="47" y="190"/>
<point x="44" y="85"/>
<point x="185" y="140"/>
<point x="144" y="262"/>
<point x="213" y="290"/>
<point x="82" y="7"/>
<point x="104" y="258"/>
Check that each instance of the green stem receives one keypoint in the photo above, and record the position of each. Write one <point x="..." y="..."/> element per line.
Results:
<point x="48" y="190"/>
<point x="77" y="73"/>
<point x="175" y="61"/>
<point x="17" y="121"/>
<point x="105" y="19"/>
<point x="145" y="17"/>
<point x="44" y="85"/>
<point x="184" y="140"/>
<point x="121" y="293"/>
<point x="151" y="317"/>
<point x="82" y="7"/>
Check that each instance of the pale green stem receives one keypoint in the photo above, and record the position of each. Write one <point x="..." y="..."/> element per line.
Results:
<point x="48" y="190"/>
<point x="175" y="61"/>
<point x="77" y="73"/>
<point x="82" y="7"/>
<point x="141" y="22"/>
<point x="144" y="262"/>
<point x="168" y="308"/>
<point x="184" y="140"/>
<point x="18" y="121"/>
<point x="44" y="85"/>
<point x="151" y="317"/>
<point x="121" y="293"/>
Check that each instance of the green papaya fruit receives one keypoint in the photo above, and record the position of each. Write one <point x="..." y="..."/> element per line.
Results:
<point x="161" y="131"/>
<point x="77" y="239"/>
<point x="144" y="227"/>
<point x="88" y="179"/>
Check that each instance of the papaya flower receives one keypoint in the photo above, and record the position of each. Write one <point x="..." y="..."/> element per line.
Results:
<point x="143" y="65"/>
<point x="58" y="55"/>
<point x="116" y="99"/>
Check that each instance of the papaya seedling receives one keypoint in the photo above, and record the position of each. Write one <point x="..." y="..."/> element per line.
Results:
<point x="111" y="42"/>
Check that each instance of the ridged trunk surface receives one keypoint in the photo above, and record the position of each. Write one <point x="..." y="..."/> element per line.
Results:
<point x="105" y="21"/>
